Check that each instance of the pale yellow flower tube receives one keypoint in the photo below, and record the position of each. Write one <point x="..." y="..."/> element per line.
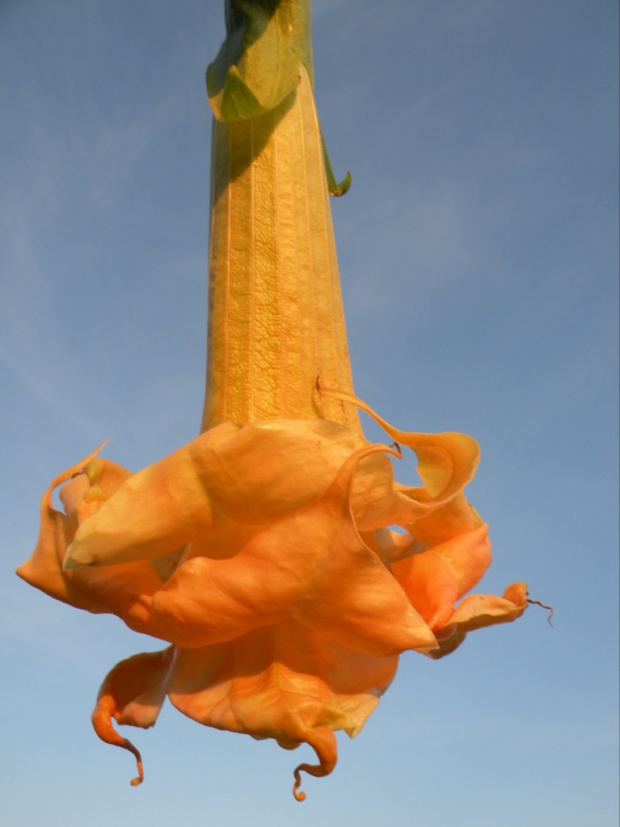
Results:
<point x="276" y="322"/>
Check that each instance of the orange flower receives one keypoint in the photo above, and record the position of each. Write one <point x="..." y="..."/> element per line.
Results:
<point x="261" y="551"/>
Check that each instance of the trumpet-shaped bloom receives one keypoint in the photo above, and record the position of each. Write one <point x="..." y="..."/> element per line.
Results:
<point x="263" y="552"/>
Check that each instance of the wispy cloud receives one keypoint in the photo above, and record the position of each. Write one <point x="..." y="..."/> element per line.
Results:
<point x="30" y="344"/>
<point x="77" y="168"/>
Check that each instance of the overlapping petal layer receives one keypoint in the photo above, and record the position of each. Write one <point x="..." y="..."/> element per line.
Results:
<point x="87" y="486"/>
<point x="287" y="682"/>
<point x="262" y="554"/>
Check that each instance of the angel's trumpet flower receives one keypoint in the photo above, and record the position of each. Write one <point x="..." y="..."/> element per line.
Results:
<point x="260" y="551"/>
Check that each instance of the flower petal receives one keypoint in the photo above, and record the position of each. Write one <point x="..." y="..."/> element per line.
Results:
<point x="87" y="486"/>
<point x="358" y="602"/>
<point x="436" y="578"/>
<point x="252" y="474"/>
<point x="447" y="462"/>
<point x="478" y="610"/>
<point x="43" y="569"/>
<point x="284" y="682"/>
<point x="273" y="468"/>
<point x="453" y="518"/>
<point x="155" y="511"/>
<point x="132" y="693"/>
<point x="311" y="564"/>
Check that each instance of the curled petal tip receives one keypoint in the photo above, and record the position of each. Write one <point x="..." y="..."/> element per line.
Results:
<point x="140" y="778"/>
<point x="299" y="794"/>
<point x="543" y="606"/>
<point x="324" y="744"/>
<point x="102" y="723"/>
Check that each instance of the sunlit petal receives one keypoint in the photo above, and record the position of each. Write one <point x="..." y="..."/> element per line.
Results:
<point x="132" y="693"/>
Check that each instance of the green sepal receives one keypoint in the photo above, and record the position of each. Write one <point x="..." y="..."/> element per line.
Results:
<point x="258" y="64"/>
<point x="335" y="188"/>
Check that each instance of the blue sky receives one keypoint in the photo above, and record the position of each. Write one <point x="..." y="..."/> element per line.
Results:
<point x="478" y="252"/>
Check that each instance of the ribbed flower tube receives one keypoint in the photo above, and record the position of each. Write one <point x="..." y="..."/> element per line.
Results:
<point x="276" y="323"/>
